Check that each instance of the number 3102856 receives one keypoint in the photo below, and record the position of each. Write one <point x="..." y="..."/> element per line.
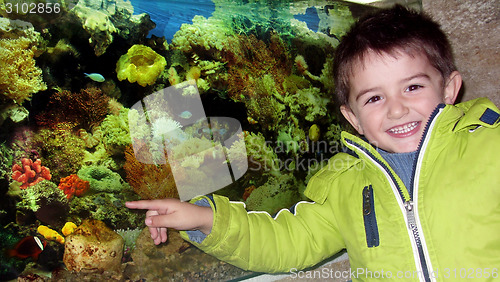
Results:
<point x="32" y="8"/>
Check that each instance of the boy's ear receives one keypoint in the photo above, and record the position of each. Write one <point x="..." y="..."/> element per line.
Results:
<point x="452" y="87"/>
<point x="351" y="118"/>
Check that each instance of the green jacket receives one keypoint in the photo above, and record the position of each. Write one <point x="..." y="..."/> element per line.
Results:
<point x="449" y="227"/>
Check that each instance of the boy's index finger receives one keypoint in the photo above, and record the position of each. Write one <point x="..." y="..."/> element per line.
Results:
<point x="147" y="204"/>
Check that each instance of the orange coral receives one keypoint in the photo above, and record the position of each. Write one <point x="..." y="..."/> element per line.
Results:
<point x="149" y="181"/>
<point x="30" y="173"/>
<point x="73" y="185"/>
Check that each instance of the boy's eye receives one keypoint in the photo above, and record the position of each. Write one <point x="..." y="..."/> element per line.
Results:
<point x="373" y="99"/>
<point x="413" y="87"/>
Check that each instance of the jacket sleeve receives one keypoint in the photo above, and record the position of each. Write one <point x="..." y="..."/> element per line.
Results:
<point x="258" y="242"/>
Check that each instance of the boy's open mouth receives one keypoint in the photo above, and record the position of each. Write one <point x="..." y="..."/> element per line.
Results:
<point x="405" y="130"/>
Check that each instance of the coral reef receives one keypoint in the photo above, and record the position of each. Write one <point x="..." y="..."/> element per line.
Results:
<point x="61" y="147"/>
<point x="103" y="20"/>
<point x="30" y="172"/>
<point x="115" y="132"/>
<point x="149" y="181"/>
<point x="93" y="245"/>
<point x="20" y="78"/>
<point x="85" y="109"/>
<point x="102" y="179"/>
<point x="107" y="207"/>
<point x="140" y="64"/>
<point x="73" y="186"/>
<point x="277" y="193"/>
<point x="48" y="203"/>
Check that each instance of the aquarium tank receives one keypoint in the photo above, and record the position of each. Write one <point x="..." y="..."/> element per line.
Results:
<point x="108" y="101"/>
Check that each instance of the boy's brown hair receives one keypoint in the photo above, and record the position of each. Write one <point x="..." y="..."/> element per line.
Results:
<point x="390" y="31"/>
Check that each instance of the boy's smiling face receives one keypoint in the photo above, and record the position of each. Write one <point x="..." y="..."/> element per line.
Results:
<point x="392" y="97"/>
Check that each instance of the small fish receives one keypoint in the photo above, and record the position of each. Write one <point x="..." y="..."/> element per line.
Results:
<point x="30" y="246"/>
<point x="95" y="77"/>
<point x="186" y="114"/>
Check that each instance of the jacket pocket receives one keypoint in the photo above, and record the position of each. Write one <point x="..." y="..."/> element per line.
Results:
<point x="371" y="228"/>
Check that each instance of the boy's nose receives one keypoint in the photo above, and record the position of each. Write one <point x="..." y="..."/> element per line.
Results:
<point x="396" y="109"/>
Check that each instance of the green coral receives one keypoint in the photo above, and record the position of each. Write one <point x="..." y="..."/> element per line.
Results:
<point x="46" y="190"/>
<point x="203" y="34"/>
<point x="5" y="161"/>
<point x="309" y="103"/>
<point x="277" y="193"/>
<point x="115" y="132"/>
<point x="261" y="154"/>
<point x="102" y="179"/>
<point x="61" y="150"/>
<point x="107" y="207"/>
<point x="130" y="237"/>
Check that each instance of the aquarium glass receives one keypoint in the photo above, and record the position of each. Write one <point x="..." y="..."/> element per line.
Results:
<point x="108" y="101"/>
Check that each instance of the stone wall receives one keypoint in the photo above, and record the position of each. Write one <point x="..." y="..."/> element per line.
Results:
<point x="473" y="27"/>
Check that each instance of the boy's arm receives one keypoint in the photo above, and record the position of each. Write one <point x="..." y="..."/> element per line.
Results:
<point x="258" y="242"/>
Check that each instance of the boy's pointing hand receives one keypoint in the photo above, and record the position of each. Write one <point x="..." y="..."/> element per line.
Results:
<point x="172" y="213"/>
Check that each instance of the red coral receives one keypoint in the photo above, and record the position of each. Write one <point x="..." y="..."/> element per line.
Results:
<point x="73" y="185"/>
<point x="30" y="173"/>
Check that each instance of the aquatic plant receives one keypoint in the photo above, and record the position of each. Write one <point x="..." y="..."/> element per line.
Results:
<point x="140" y="64"/>
<point x="30" y="172"/>
<point x="85" y="109"/>
<point x="73" y="186"/>
<point x="102" y="179"/>
<point x="149" y="181"/>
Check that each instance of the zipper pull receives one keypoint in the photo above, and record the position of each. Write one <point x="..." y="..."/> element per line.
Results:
<point x="412" y="223"/>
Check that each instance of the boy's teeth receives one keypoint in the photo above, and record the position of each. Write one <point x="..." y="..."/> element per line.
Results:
<point x="403" y="129"/>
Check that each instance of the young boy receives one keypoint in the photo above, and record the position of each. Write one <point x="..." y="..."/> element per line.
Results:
<point x="416" y="196"/>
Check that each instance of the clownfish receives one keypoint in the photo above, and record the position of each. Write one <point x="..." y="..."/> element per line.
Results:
<point x="30" y="246"/>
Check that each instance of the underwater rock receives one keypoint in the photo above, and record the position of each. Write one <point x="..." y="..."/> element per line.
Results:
<point x="93" y="245"/>
<point x="103" y="20"/>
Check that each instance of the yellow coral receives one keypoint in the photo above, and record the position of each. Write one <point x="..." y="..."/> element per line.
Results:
<point x="68" y="228"/>
<point x="141" y="64"/>
<point x="50" y="234"/>
<point x="19" y="76"/>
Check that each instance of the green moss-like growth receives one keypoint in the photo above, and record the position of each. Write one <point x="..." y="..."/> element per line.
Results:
<point x="277" y="193"/>
<point x="48" y="202"/>
<point x="61" y="150"/>
<point x="102" y="179"/>
<point x="115" y="132"/>
<point x="107" y="207"/>
<point x="5" y="161"/>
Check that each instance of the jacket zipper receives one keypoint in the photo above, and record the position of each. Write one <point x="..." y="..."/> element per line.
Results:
<point x="407" y="204"/>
